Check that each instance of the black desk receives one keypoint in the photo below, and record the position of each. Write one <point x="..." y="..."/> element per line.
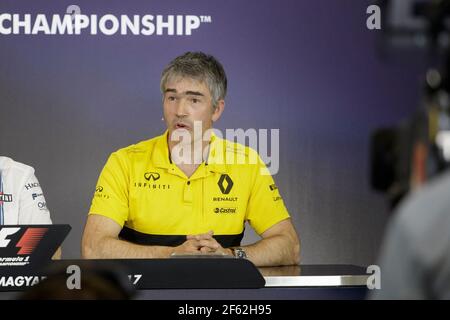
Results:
<point x="282" y="283"/>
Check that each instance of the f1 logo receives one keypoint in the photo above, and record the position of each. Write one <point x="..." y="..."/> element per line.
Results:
<point x="27" y="242"/>
<point x="30" y="240"/>
<point x="4" y="234"/>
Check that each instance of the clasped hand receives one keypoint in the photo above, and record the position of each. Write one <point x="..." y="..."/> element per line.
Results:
<point x="202" y="243"/>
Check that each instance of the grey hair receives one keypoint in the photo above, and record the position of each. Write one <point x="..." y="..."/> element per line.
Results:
<point x="199" y="66"/>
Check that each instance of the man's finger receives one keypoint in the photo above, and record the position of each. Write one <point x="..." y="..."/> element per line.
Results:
<point x="206" y="250"/>
<point x="193" y="244"/>
<point x="209" y="243"/>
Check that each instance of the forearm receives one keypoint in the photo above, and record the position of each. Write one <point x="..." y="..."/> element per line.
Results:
<point x="113" y="248"/>
<point x="57" y="254"/>
<point x="277" y="250"/>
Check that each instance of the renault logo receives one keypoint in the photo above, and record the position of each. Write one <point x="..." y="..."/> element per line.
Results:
<point x="151" y="176"/>
<point x="225" y="184"/>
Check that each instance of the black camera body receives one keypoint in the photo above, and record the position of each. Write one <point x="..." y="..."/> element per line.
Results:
<point x="418" y="148"/>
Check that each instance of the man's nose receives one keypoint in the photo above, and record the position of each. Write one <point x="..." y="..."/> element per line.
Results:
<point x="181" y="109"/>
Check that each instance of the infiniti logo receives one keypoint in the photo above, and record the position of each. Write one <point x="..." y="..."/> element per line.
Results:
<point x="151" y="176"/>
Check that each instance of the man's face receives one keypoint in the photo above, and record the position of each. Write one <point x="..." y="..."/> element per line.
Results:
<point x="188" y="100"/>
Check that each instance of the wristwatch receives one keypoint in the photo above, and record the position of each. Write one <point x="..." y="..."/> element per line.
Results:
<point x="239" y="253"/>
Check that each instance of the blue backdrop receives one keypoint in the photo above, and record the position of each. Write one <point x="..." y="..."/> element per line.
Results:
<point x="309" y="68"/>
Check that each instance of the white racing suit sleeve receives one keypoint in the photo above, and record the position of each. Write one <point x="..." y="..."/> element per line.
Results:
<point x="32" y="206"/>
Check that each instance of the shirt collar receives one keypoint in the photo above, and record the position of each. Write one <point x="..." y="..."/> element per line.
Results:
<point x="161" y="155"/>
<point x="216" y="154"/>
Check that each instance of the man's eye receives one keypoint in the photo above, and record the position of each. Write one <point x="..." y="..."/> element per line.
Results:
<point x="170" y="98"/>
<point x="194" y="100"/>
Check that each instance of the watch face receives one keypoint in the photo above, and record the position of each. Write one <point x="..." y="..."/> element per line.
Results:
<point x="240" y="254"/>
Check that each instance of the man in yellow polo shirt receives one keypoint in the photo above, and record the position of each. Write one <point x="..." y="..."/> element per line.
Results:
<point x="179" y="192"/>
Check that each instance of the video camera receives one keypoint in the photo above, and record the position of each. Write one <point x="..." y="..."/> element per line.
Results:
<point x="417" y="148"/>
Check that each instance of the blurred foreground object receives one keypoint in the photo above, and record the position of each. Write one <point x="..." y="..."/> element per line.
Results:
<point x="409" y="163"/>
<point x="407" y="155"/>
<point x="415" y="258"/>
<point x="96" y="283"/>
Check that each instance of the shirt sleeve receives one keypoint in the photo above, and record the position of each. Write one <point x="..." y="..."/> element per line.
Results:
<point x="265" y="207"/>
<point x="402" y="270"/>
<point x="32" y="205"/>
<point x="111" y="193"/>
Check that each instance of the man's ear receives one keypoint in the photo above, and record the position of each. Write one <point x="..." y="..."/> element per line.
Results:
<point x="218" y="110"/>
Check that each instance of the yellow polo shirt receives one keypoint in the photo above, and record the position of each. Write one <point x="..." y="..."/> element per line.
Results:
<point x="157" y="204"/>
